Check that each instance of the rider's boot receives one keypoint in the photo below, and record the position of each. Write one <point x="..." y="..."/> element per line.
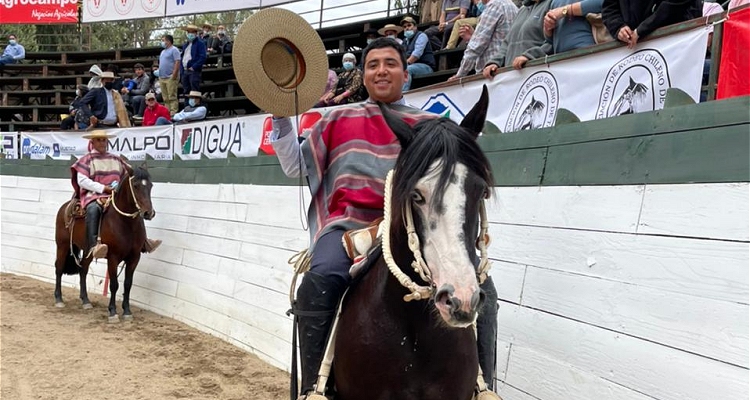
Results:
<point x="95" y="247"/>
<point x="317" y="299"/>
<point x="150" y="245"/>
<point x="487" y="340"/>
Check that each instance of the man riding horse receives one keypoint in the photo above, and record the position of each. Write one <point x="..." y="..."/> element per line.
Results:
<point x="346" y="158"/>
<point x="95" y="177"/>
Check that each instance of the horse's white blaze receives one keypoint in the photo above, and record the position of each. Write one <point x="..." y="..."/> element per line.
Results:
<point x="443" y="244"/>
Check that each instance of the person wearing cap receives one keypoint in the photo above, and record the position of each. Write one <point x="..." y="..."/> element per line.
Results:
<point x="391" y="31"/>
<point x="154" y="111"/>
<point x="106" y="105"/>
<point x="193" y="58"/>
<point x="96" y="81"/>
<point x="169" y="73"/>
<point x="347" y="90"/>
<point x="94" y="177"/>
<point x="419" y="56"/>
<point x="13" y="53"/>
<point x="350" y="141"/>
<point x="194" y="111"/>
<point x="141" y="86"/>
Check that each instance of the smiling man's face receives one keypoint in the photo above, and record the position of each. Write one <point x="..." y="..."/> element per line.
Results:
<point x="384" y="74"/>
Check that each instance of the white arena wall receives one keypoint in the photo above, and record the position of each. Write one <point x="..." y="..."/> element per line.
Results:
<point x="634" y="292"/>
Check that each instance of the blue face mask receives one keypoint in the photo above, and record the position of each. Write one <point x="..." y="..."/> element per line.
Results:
<point x="408" y="34"/>
<point x="191" y="102"/>
<point x="191" y="36"/>
<point x="480" y="7"/>
<point x="370" y="41"/>
<point x="163" y="45"/>
<point x="12" y="42"/>
<point x="348" y="65"/>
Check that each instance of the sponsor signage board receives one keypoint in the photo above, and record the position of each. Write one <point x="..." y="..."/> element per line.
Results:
<point x="38" y="12"/>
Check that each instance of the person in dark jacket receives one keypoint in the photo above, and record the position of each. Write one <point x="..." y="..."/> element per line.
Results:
<point x="193" y="58"/>
<point x="106" y="105"/>
<point x="133" y="94"/>
<point x="79" y="115"/>
<point x="420" y="59"/>
<point x="630" y="20"/>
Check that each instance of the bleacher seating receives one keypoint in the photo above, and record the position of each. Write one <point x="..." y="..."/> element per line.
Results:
<point x="35" y="92"/>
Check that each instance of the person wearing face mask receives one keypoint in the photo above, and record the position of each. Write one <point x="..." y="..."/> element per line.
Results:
<point x="194" y="111"/>
<point x="96" y="80"/>
<point x="193" y="58"/>
<point x="169" y="73"/>
<point x="348" y="88"/>
<point x="221" y="43"/>
<point x="207" y="35"/>
<point x="391" y="31"/>
<point x="78" y="115"/>
<point x="13" y="53"/>
<point x="419" y="56"/>
<point x="106" y="105"/>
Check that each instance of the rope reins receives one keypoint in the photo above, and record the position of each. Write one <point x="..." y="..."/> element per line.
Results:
<point x="421" y="292"/>
<point x="135" y="200"/>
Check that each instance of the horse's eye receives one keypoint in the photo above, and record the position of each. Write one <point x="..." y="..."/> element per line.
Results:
<point x="417" y="197"/>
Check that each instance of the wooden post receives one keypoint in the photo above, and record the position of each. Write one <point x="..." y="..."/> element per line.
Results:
<point x="713" y="74"/>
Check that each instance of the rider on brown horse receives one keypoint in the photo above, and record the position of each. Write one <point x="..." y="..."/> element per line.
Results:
<point x="346" y="158"/>
<point x="95" y="176"/>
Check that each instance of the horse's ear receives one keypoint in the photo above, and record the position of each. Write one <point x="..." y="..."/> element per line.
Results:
<point x="144" y="166"/>
<point x="474" y="120"/>
<point x="403" y="131"/>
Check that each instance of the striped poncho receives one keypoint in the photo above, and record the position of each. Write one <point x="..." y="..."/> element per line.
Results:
<point x="348" y="154"/>
<point x="103" y="168"/>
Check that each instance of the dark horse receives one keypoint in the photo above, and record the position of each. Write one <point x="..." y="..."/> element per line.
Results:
<point x="122" y="230"/>
<point x="387" y="348"/>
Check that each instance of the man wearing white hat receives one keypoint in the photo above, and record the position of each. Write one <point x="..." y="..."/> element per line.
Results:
<point x="107" y="107"/>
<point x="95" y="177"/>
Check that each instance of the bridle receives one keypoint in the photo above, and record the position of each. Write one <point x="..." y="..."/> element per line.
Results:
<point x="422" y="292"/>
<point x="135" y="200"/>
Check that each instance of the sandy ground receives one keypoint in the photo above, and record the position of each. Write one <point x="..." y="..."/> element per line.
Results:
<point x="69" y="353"/>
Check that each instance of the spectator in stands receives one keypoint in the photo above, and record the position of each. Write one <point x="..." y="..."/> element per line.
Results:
<point x="13" y="53"/>
<point x="370" y="35"/>
<point x="737" y="3"/>
<point x="154" y="111"/>
<point x="106" y="105"/>
<point x="430" y="10"/>
<point x="333" y="79"/>
<point x="348" y="89"/>
<point x="452" y="11"/>
<point x="169" y="73"/>
<point x="156" y="84"/>
<point x="566" y="24"/>
<point x="135" y="96"/>
<point x="96" y="80"/>
<point x="419" y="57"/>
<point x="119" y="82"/>
<point x="471" y="20"/>
<point x="194" y="111"/>
<point x="206" y="36"/>
<point x="78" y="115"/>
<point x="486" y="42"/>
<point x="630" y="20"/>
<point x="193" y="58"/>
<point x="525" y="41"/>
<point x="221" y="44"/>
<point x="391" y="31"/>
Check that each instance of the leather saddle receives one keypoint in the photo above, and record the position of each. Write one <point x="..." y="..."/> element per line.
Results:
<point x="73" y="211"/>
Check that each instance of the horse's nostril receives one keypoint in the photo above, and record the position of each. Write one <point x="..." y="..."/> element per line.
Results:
<point x="444" y="295"/>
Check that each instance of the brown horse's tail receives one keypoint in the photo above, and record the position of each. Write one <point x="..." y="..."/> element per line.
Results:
<point x="71" y="267"/>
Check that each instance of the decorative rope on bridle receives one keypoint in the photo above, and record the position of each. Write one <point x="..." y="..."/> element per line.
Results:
<point x="420" y="292"/>
<point x="135" y="200"/>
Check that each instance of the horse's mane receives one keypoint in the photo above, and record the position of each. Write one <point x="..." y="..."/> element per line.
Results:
<point x="140" y="173"/>
<point x="438" y="138"/>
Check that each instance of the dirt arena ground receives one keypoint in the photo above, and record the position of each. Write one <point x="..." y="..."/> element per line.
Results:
<point x="71" y="354"/>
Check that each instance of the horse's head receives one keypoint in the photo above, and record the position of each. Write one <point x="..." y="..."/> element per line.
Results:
<point x="138" y="182"/>
<point x="442" y="177"/>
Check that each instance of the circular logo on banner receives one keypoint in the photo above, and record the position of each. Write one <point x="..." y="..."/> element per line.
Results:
<point x="123" y="7"/>
<point x="150" y="5"/>
<point x="535" y="105"/>
<point x="636" y="83"/>
<point x="96" y="7"/>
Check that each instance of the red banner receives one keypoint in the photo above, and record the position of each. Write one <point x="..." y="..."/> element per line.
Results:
<point x="38" y="11"/>
<point x="735" y="56"/>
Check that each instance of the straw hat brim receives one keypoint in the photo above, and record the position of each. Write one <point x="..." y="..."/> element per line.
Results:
<point x="99" y="134"/>
<point x="396" y="28"/>
<point x="267" y="69"/>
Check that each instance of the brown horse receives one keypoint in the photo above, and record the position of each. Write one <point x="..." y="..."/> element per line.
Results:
<point x="122" y="230"/>
<point x="424" y="347"/>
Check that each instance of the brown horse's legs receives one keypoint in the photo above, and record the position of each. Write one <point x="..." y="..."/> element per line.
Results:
<point x="129" y="272"/>
<point x="487" y="332"/>
<point x="59" y="267"/>
<point x="113" y="286"/>
<point x="84" y="291"/>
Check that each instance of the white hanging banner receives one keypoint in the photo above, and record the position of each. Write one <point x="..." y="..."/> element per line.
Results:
<point x="218" y="138"/>
<point x="133" y="143"/>
<point x="182" y="7"/>
<point x="611" y="83"/>
<point x="121" y="10"/>
<point x="9" y="147"/>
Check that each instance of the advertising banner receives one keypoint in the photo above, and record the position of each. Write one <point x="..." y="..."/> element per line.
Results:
<point x="218" y="138"/>
<point x="735" y="61"/>
<point x="38" y="11"/>
<point x="9" y="147"/>
<point x="182" y="7"/>
<point x="133" y="143"/>
<point x="119" y="10"/>
<point x="611" y="83"/>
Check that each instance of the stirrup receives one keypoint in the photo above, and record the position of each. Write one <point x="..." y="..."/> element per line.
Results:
<point x="151" y="245"/>
<point x="98" y="251"/>
<point x="486" y="395"/>
<point x="314" y="396"/>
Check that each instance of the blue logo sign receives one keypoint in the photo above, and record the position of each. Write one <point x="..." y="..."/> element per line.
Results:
<point x="29" y="148"/>
<point x="442" y="105"/>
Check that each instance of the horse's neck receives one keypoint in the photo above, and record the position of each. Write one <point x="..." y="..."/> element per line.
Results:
<point x="124" y="197"/>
